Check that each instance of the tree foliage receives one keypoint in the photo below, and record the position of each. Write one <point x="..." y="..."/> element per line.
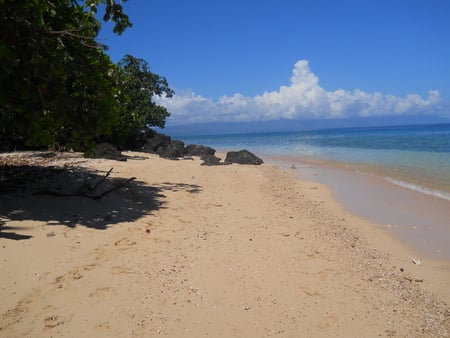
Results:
<point x="137" y="86"/>
<point x="57" y="85"/>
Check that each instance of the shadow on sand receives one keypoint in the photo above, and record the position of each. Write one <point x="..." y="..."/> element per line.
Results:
<point x="24" y="196"/>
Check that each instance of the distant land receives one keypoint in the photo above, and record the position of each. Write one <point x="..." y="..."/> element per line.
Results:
<point x="213" y="128"/>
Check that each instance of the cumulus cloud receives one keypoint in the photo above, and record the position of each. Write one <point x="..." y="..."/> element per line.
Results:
<point x="303" y="98"/>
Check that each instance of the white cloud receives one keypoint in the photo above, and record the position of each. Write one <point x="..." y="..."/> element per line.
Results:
<point x="303" y="98"/>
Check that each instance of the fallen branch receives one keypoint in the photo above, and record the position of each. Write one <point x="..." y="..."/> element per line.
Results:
<point x="81" y="194"/>
<point x="114" y="188"/>
<point x="92" y="188"/>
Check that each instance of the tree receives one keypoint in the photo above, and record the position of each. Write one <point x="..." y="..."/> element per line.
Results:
<point x="137" y="85"/>
<point x="56" y="83"/>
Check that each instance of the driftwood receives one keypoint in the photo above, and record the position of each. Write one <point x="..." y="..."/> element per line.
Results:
<point x="82" y="193"/>
<point x="100" y="181"/>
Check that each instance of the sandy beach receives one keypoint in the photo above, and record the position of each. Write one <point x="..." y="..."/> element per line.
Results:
<point x="186" y="250"/>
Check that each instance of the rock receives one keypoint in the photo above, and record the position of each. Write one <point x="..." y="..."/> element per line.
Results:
<point x="154" y="141"/>
<point x="174" y="150"/>
<point x="108" y="151"/>
<point x="198" y="150"/>
<point x="242" y="157"/>
<point x="210" y="160"/>
<point x="416" y="261"/>
<point x="163" y="146"/>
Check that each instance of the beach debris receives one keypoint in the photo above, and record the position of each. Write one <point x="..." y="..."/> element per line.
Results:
<point x="293" y="166"/>
<point x="246" y="308"/>
<point x="416" y="261"/>
<point x="92" y="186"/>
<point x="87" y="190"/>
<point x="51" y="234"/>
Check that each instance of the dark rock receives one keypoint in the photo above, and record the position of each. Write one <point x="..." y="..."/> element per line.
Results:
<point x="198" y="150"/>
<point x="173" y="150"/>
<point x="154" y="141"/>
<point x="163" y="146"/>
<point x="108" y="151"/>
<point x="242" y="157"/>
<point x="210" y="160"/>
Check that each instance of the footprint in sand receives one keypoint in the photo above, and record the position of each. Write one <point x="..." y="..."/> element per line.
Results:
<point x="53" y="321"/>
<point x="89" y="267"/>
<point x="14" y="315"/>
<point x="76" y="275"/>
<point x="61" y="280"/>
<point x="103" y="327"/>
<point x="124" y="244"/>
<point x="121" y="269"/>
<point x="325" y="274"/>
<point x="99" y="256"/>
<point x="312" y="292"/>
<point x="327" y="322"/>
<point x="100" y="292"/>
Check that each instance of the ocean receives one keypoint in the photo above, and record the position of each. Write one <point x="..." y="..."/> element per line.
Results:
<point x="415" y="157"/>
<point x="397" y="177"/>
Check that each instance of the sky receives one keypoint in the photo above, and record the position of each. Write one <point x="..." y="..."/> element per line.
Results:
<point x="248" y="60"/>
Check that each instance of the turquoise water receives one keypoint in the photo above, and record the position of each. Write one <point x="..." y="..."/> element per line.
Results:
<point x="415" y="157"/>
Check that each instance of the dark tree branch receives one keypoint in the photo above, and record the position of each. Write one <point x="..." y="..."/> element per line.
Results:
<point x="81" y="194"/>
<point x="99" y="181"/>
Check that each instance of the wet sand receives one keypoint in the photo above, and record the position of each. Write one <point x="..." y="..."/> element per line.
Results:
<point x="191" y="251"/>
<point x="419" y="220"/>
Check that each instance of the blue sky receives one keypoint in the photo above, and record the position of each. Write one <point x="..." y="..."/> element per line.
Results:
<point x="245" y="60"/>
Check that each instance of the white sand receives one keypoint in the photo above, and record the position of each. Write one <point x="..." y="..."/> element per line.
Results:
<point x="193" y="251"/>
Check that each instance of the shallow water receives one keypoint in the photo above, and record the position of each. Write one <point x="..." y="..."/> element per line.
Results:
<point x="416" y="157"/>
<point x="418" y="220"/>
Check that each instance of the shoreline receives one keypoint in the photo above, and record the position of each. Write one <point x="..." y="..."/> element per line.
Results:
<point x="414" y="182"/>
<point x="416" y="219"/>
<point x="194" y="250"/>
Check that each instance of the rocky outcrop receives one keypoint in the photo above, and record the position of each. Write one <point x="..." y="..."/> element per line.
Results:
<point x="242" y="157"/>
<point x="165" y="147"/>
<point x="154" y="141"/>
<point x="198" y="150"/>
<point x="173" y="150"/>
<point x="108" y="151"/>
<point x="210" y="160"/>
